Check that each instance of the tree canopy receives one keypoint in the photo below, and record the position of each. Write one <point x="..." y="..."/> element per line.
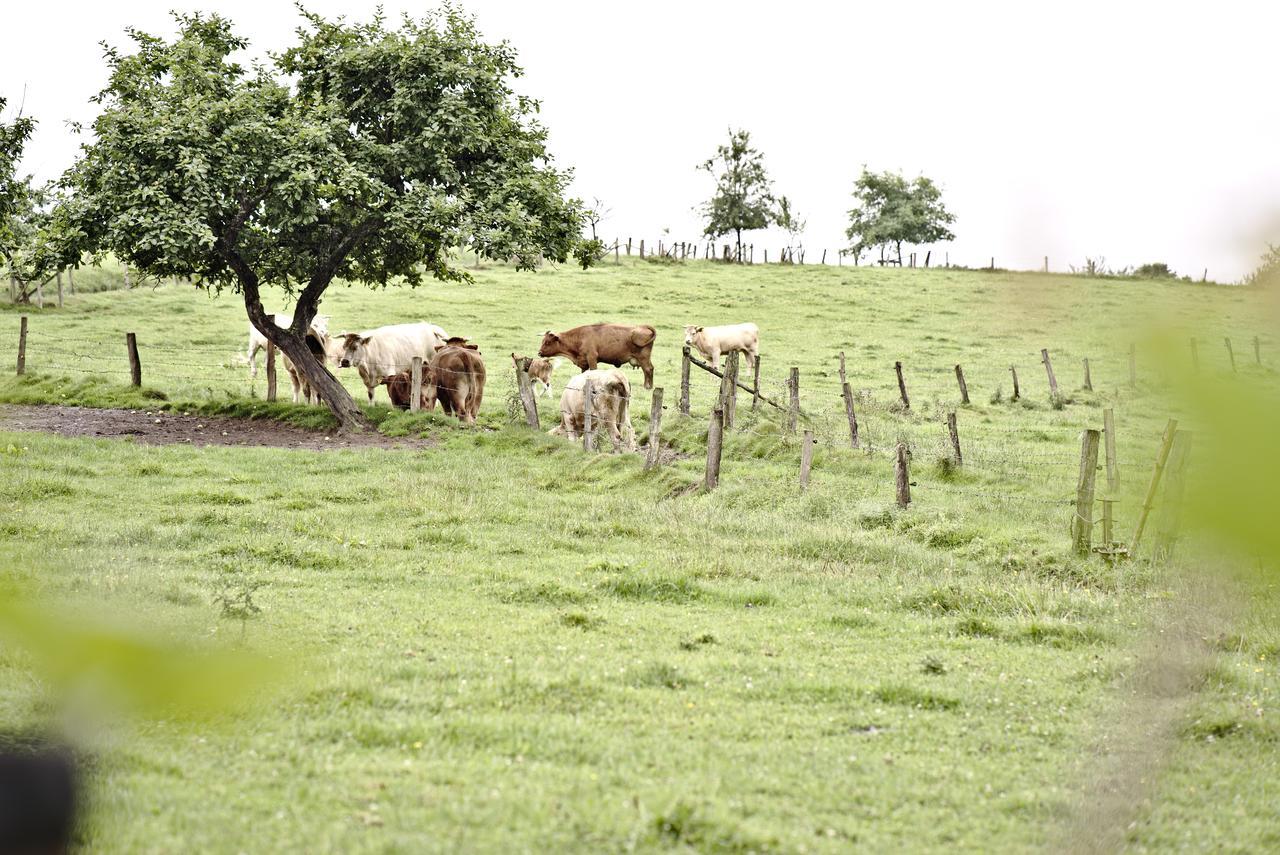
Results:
<point x="13" y="189"/>
<point x="743" y="199"/>
<point x="364" y="152"/>
<point x="891" y="211"/>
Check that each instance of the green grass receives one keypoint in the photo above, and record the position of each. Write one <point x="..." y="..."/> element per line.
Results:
<point x="504" y="644"/>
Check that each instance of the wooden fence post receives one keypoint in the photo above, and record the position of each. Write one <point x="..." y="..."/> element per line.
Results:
<point x="902" y="476"/>
<point x="524" y="387"/>
<point x="1162" y="457"/>
<point x="59" y="277"/>
<point x="755" y="382"/>
<point x="843" y="379"/>
<point x="1174" y="487"/>
<point x="1082" y="523"/>
<point x="22" y="345"/>
<point x="1048" y="368"/>
<point x="824" y="256"/>
<point x="806" y="460"/>
<point x="902" y="386"/>
<point x="1109" y="436"/>
<point x="628" y="246"/>
<point x="271" y="371"/>
<point x="415" y="384"/>
<point x="1017" y="393"/>
<point x="588" y="416"/>
<point x="1108" y="522"/>
<point x="1088" y="377"/>
<point x="964" y="387"/>
<point x="1133" y="366"/>
<point x="642" y="247"/>
<point x="766" y="255"/>
<point x="847" y="393"/>
<point x="1230" y="352"/>
<point x="684" y="382"/>
<point x="655" y="429"/>
<point x="729" y="388"/>
<point x="1195" y="354"/>
<point x="954" y="430"/>
<point x="793" y="412"/>
<point x="715" y="437"/>
<point x="135" y="365"/>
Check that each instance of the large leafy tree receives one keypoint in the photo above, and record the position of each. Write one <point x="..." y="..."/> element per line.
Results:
<point x="13" y="189"/>
<point x="743" y="200"/>
<point x="891" y="211"/>
<point x="365" y="152"/>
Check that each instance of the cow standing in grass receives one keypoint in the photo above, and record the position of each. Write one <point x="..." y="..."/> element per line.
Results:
<point x="713" y="341"/>
<point x="610" y="407"/>
<point x="613" y="344"/>
<point x="387" y="351"/>
<point x="455" y="377"/>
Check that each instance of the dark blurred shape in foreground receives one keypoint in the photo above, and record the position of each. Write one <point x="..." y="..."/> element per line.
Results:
<point x="39" y="796"/>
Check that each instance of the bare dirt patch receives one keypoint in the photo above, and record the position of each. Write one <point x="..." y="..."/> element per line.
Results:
<point x="156" y="427"/>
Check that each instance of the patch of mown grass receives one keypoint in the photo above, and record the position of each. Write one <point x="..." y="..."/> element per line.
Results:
<point x="900" y="694"/>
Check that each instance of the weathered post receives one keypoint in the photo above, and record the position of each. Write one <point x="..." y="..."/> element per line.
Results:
<point x="588" y="416"/>
<point x="766" y="254"/>
<point x="755" y="382"/>
<point x="1082" y="523"/>
<point x="1162" y="457"/>
<point x="843" y="379"/>
<point x="1109" y="436"/>
<point x="415" y="384"/>
<point x="1088" y="376"/>
<point x="1195" y="354"/>
<point x="271" y="371"/>
<point x="847" y="393"/>
<point x="806" y="460"/>
<point x="902" y="386"/>
<point x="617" y="256"/>
<point x="1133" y="366"/>
<point x="22" y="345"/>
<point x="902" y="477"/>
<point x="655" y="429"/>
<point x="642" y="247"/>
<point x="524" y="386"/>
<point x="964" y="387"/>
<point x="135" y="365"/>
<point x="1017" y="393"/>
<point x="954" y="430"/>
<point x="628" y="246"/>
<point x="59" y="277"/>
<point x="729" y="388"/>
<point x="793" y="386"/>
<point x="715" y="436"/>
<point x="1048" y="369"/>
<point x="1174" y="487"/>
<point x="824" y="256"/>
<point x="1230" y="351"/>
<point x="684" y="382"/>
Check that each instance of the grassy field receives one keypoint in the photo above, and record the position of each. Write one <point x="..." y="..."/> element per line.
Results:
<point x="502" y="644"/>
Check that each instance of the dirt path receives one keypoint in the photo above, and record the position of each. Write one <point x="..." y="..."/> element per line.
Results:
<point x="164" y="428"/>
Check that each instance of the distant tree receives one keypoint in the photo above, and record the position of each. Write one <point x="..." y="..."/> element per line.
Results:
<point x="789" y="221"/>
<point x="743" y="199"/>
<point x="1267" y="274"/>
<point x="364" y="152"/>
<point x="1155" y="270"/>
<point x="891" y="211"/>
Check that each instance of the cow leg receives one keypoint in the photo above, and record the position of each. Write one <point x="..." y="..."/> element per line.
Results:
<point x="253" y="360"/>
<point x="647" y="368"/>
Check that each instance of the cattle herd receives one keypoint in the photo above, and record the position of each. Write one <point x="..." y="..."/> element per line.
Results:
<point x="453" y="370"/>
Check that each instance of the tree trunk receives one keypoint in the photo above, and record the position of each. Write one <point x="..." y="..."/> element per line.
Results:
<point x="739" y="234"/>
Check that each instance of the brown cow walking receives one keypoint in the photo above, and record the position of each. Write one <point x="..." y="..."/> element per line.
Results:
<point x="612" y="344"/>
<point x="455" y="376"/>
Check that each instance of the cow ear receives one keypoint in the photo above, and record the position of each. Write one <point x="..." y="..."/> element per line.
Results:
<point x="365" y="339"/>
<point x="440" y="347"/>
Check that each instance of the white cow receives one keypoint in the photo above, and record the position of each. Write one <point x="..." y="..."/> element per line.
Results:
<point x="611" y="406"/>
<point x="387" y="351"/>
<point x="257" y="341"/>
<point x="713" y="341"/>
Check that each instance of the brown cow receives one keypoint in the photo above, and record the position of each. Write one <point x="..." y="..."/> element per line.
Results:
<point x="400" y="389"/>
<point x="455" y="376"/>
<point x="613" y="344"/>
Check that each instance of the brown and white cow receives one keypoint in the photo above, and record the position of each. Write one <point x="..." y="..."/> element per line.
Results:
<point x="539" y="372"/>
<point x="387" y="351"/>
<point x="713" y="341"/>
<point x="610" y="406"/>
<point x="613" y="344"/>
<point x="455" y="377"/>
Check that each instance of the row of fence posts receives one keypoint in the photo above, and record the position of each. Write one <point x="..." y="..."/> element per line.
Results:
<point x="71" y="285"/>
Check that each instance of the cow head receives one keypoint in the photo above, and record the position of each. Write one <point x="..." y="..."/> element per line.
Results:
<point x="348" y="349"/>
<point x="430" y="384"/>
<point x="551" y="345"/>
<point x="689" y="332"/>
<point x="541" y="368"/>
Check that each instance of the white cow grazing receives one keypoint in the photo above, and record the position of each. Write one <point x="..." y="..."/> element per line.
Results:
<point x="611" y="406"/>
<point x="713" y="341"/>
<point x="257" y="341"/>
<point x="387" y="351"/>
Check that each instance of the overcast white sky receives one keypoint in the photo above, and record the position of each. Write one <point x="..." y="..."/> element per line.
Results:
<point x="1138" y="131"/>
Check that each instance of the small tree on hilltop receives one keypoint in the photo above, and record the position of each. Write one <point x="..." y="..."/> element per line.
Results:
<point x="743" y="200"/>
<point x="363" y="152"/>
<point x="891" y="211"/>
<point x="790" y="222"/>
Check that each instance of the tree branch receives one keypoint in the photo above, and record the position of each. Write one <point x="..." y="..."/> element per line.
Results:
<point x="305" y="309"/>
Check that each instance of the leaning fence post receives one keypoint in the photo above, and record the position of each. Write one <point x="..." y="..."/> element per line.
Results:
<point x="655" y="429"/>
<point x="22" y="345"/>
<point x="588" y="416"/>
<point x="684" y="382"/>
<point x="793" y="412"/>
<point x="847" y="393"/>
<point x="902" y="476"/>
<point x="1171" y="510"/>
<point x="806" y="460"/>
<point x="1017" y="393"/>
<point x="524" y="388"/>
<point x="1230" y="351"/>
<point x="954" y="431"/>
<point x="729" y="389"/>
<point x="1109" y="435"/>
<point x="843" y="379"/>
<point x="1161" y="459"/>
<point x="1088" y="377"/>
<point x="902" y="386"/>
<point x="1082" y="523"/>
<point x="135" y="365"/>
<point x="715" y="436"/>
<point x="1048" y="368"/>
<point x="415" y="384"/>
<point x="755" y="382"/>
<point x="964" y="387"/>
<point x="271" y="371"/>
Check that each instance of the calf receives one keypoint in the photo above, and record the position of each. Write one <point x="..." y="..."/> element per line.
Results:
<point x="258" y="341"/>
<point x="713" y="341"/>
<point x="612" y="344"/>
<point x="539" y="372"/>
<point x="610" y="406"/>
<point x="455" y="377"/>
<point x="387" y="351"/>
